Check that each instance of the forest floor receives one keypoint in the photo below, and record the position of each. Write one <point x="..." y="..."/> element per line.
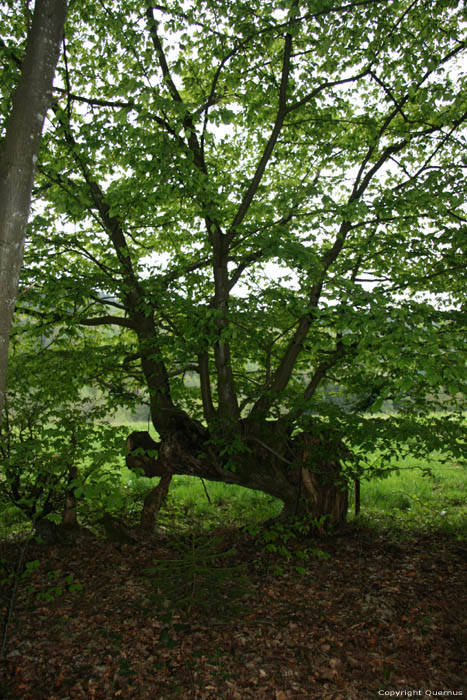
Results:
<point x="378" y="618"/>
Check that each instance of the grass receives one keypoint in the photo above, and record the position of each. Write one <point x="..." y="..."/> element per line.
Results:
<point x="416" y="501"/>
<point x="404" y="501"/>
<point x="228" y="505"/>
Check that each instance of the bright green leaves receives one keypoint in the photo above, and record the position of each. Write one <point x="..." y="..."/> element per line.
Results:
<point x="59" y="440"/>
<point x="356" y="219"/>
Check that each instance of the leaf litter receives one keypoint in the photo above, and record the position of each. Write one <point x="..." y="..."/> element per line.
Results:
<point x="371" y="619"/>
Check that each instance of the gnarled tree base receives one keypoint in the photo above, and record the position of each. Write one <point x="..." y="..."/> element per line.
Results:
<point x="303" y="471"/>
<point x="50" y="533"/>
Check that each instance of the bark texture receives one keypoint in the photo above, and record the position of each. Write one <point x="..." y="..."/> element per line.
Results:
<point x="153" y="502"/>
<point x="303" y="471"/>
<point x="18" y="156"/>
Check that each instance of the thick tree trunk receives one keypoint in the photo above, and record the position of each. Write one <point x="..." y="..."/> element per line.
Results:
<point x="309" y="474"/>
<point x="18" y="156"/>
<point x="320" y="501"/>
<point x="303" y="471"/>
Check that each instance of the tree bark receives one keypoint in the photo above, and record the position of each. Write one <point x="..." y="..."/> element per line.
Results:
<point x="303" y="471"/>
<point x="152" y="504"/>
<point x="357" y="496"/>
<point x="19" y="153"/>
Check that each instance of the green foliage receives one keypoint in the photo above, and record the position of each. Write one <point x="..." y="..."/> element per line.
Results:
<point x="201" y="578"/>
<point x="7" y="574"/>
<point x="55" y="439"/>
<point x="282" y="540"/>
<point x="49" y="594"/>
<point x="269" y="197"/>
<point x="60" y="584"/>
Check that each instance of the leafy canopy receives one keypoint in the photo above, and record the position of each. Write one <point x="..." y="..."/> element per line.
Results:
<point x="266" y="201"/>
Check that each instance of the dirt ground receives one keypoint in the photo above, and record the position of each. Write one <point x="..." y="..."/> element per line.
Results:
<point x="379" y="618"/>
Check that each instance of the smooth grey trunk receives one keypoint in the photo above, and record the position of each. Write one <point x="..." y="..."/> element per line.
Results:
<point x="18" y="156"/>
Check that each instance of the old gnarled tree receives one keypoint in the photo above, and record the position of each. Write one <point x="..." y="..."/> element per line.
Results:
<point x="259" y="215"/>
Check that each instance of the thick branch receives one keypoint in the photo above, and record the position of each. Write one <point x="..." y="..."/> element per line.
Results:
<point x="168" y="80"/>
<point x="108" y="320"/>
<point x="323" y="367"/>
<point x="228" y="402"/>
<point x="152" y="362"/>
<point x="205" y="381"/>
<point x="161" y="56"/>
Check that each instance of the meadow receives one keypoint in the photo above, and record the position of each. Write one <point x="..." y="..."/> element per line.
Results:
<point x="417" y="496"/>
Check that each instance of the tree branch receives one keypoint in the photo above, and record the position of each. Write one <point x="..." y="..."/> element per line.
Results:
<point x="268" y="149"/>
<point x="205" y="381"/>
<point x="107" y="320"/>
<point x="325" y="86"/>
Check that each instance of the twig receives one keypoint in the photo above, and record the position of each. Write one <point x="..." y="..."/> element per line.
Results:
<point x="206" y="491"/>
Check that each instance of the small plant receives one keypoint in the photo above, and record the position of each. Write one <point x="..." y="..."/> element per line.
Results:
<point x="200" y="578"/>
<point x="59" y="455"/>
<point x="8" y="575"/>
<point x="280" y="539"/>
<point x="58" y="586"/>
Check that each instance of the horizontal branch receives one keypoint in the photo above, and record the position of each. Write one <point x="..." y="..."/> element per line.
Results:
<point x="120" y="104"/>
<point x="108" y="320"/>
<point x="324" y="86"/>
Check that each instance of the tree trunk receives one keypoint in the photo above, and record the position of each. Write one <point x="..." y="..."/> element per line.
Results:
<point x="152" y="504"/>
<point x="308" y="471"/>
<point x="69" y="516"/>
<point x="357" y="496"/>
<point x="304" y="471"/>
<point x="18" y="156"/>
<point x="322" y="502"/>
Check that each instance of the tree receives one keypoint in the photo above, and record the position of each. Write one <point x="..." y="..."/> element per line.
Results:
<point x="263" y="202"/>
<point x="19" y="152"/>
<point x="52" y="473"/>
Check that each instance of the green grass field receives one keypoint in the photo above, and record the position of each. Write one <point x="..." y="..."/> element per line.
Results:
<point x="404" y="501"/>
<point x="412" y="500"/>
<point x="408" y="500"/>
